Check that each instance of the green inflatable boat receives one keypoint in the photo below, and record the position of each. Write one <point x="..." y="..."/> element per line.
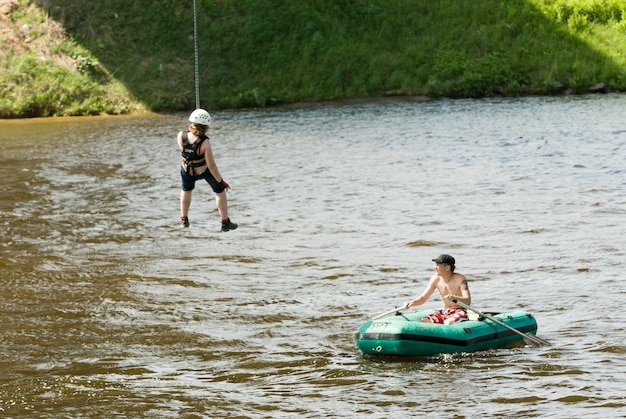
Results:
<point x="404" y="335"/>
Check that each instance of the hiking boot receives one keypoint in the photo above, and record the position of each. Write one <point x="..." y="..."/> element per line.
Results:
<point x="228" y="225"/>
<point x="184" y="222"/>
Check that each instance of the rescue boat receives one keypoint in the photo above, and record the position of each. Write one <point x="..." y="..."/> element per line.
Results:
<point x="403" y="335"/>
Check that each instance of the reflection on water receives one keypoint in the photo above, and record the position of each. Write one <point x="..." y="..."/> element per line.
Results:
<point x="109" y="309"/>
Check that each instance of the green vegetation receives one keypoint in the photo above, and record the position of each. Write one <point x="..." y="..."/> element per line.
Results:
<point x="71" y="57"/>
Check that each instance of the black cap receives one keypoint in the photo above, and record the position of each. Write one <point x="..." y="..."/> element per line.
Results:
<point x="447" y="259"/>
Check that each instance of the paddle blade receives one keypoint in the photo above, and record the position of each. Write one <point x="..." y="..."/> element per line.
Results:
<point x="533" y="340"/>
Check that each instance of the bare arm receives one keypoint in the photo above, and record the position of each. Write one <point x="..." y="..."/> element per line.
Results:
<point x="210" y="161"/>
<point x="179" y="139"/>
<point x="424" y="296"/>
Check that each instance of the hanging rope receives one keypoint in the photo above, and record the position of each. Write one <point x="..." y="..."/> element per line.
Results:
<point x="195" y="50"/>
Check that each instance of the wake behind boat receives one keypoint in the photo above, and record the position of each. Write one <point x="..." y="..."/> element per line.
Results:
<point x="405" y="335"/>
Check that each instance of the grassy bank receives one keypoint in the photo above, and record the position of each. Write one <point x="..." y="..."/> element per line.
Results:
<point x="70" y="57"/>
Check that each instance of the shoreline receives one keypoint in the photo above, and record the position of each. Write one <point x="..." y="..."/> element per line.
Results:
<point x="303" y="105"/>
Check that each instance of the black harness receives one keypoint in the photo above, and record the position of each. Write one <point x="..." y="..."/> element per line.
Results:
<point x="191" y="158"/>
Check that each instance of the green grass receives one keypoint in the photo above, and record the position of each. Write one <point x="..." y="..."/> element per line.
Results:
<point x="120" y="56"/>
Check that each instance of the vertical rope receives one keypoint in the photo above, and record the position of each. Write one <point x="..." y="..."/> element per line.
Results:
<point x="195" y="50"/>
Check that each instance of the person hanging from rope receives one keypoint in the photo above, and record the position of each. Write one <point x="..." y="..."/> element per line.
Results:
<point x="199" y="163"/>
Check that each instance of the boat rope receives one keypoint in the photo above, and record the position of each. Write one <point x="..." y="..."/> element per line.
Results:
<point x="195" y="50"/>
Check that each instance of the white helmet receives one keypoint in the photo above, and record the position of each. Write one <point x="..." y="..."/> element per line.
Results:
<point x="200" y="117"/>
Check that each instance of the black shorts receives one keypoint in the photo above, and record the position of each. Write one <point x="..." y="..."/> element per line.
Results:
<point x="189" y="182"/>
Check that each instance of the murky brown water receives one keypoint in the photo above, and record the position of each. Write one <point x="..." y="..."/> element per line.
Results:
<point x="109" y="309"/>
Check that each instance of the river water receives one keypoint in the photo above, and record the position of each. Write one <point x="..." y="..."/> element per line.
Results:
<point x="110" y="309"/>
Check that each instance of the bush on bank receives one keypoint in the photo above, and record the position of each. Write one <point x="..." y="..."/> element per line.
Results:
<point x="71" y="57"/>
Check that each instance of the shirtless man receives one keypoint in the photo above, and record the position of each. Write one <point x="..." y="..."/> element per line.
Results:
<point x="451" y="286"/>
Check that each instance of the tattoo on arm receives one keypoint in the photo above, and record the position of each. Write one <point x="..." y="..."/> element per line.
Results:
<point x="464" y="285"/>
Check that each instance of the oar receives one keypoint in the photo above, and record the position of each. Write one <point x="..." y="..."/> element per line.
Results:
<point x="528" y="337"/>
<point x="386" y="313"/>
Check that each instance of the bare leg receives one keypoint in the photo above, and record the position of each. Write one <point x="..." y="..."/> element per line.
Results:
<point x="185" y="202"/>
<point x="222" y="204"/>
